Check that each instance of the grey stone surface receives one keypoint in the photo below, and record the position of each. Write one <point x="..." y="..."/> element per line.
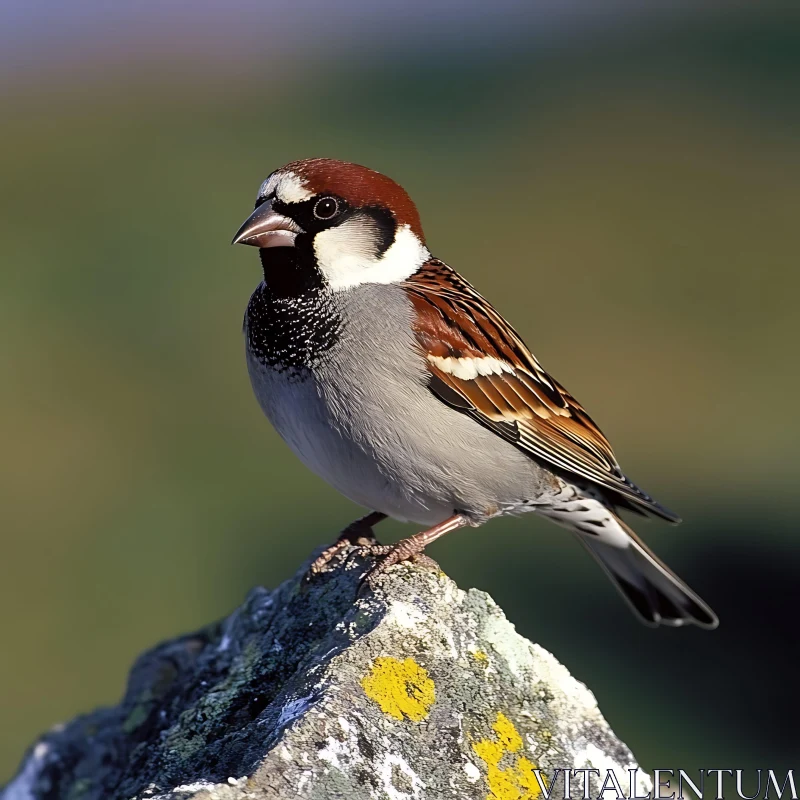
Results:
<point x="406" y="687"/>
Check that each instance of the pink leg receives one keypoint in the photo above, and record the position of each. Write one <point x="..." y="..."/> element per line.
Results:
<point x="413" y="545"/>
<point x="358" y="533"/>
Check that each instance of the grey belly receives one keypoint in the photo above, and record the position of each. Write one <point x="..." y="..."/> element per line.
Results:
<point x="366" y="422"/>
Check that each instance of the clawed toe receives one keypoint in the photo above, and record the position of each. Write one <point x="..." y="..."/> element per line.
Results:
<point x="358" y="534"/>
<point x="388" y="555"/>
<point x="427" y="562"/>
<point x="413" y="546"/>
<point x="326" y="556"/>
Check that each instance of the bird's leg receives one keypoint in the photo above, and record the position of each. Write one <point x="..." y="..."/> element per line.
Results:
<point x="413" y="545"/>
<point x="356" y="533"/>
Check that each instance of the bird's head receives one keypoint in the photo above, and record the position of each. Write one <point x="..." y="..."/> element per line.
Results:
<point x="348" y="224"/>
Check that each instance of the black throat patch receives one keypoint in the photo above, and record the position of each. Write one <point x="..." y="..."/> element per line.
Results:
<point x="291" y="319"/>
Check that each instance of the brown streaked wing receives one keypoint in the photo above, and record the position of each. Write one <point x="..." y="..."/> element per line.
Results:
<point x="522" y="403"/>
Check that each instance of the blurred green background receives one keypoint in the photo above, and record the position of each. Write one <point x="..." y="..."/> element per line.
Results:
<point x="637" y="182"/>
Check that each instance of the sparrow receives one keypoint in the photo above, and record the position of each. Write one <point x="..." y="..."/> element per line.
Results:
<point x="390" y="377"/>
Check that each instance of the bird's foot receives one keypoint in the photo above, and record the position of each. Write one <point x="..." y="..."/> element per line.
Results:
<point x="387" y="555"/>
<point x="358" y="534"/>
<point x="411" y="548"/>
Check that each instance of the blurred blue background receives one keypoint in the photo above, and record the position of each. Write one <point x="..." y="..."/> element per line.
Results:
<point x="637" y="175"/>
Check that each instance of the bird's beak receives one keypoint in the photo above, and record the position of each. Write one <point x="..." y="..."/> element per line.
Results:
<point x="266" y="228"/>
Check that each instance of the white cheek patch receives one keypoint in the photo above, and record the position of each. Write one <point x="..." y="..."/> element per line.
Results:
<point x="286" y="186"/>
<point x="469" y="368"/>
<point x="346" y="255"/>
<point x="345" y="249"/>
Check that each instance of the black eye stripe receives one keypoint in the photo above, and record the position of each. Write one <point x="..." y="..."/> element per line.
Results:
<point x="306" y="215"/>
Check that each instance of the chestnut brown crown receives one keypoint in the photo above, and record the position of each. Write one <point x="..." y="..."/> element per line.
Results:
<point x="359" y="186"/>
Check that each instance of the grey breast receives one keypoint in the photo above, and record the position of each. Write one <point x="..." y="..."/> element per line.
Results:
<point x="364" y="420"/>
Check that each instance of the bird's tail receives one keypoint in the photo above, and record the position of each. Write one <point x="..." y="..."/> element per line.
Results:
<point x="655" y="593"/>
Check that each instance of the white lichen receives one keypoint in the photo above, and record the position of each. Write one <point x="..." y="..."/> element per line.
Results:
<point x="197" y="786"/>
<point x="404" y="615"/>
<point x="473" y="773"/>
<point x="339" y="754"/>
<point x="389" y="764"/>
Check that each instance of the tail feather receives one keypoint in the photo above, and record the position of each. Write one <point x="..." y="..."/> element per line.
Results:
<point x="654" y="592"/>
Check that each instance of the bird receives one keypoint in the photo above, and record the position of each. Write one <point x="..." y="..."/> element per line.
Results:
<point x="394" y="380"/>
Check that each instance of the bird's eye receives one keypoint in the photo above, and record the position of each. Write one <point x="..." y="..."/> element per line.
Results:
<point x="326" y="208"/>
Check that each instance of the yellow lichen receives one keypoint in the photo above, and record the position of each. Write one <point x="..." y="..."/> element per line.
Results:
<point x="479" y="655"/>
<point x="515" y="781"/>
<point x="401" y="688"/>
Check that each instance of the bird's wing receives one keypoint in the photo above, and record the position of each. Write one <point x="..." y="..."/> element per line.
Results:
<point x="480" y="366"/>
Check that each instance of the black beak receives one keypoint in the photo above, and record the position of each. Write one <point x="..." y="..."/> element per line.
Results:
<point x="266" y="228"/>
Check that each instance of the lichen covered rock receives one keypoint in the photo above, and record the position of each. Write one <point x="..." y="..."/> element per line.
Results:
<point x="401" y="688"/>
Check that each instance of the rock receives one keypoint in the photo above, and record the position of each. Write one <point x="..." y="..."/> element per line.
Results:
<point x="405" y="688"/>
